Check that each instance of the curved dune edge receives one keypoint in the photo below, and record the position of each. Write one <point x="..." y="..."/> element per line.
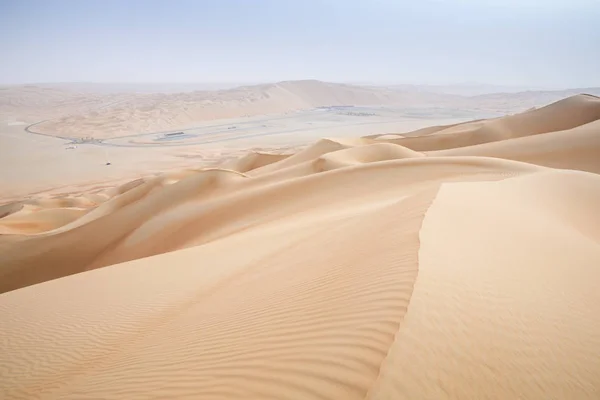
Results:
<point x="461" y="264"/>
<point x="521" y="325"/>
<point x="154" y="217"/>
<point x="326" y="302"/>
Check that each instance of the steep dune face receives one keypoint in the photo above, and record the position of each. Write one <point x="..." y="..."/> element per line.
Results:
<point x="458" y="264"/>
<point x="506" y="294"/>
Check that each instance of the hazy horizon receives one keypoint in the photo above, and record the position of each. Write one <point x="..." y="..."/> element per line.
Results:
<point x="545" y="44"/>
<point x="464" y="88"/>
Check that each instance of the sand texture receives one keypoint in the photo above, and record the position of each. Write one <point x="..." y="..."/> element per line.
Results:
<point x="456" y="262"/>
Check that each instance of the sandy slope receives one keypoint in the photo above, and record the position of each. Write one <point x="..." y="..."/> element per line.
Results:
<point x="562" y="115"/>
<point x="459" y="264"/>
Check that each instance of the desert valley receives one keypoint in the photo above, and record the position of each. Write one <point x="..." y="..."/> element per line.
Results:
<point x="300" y="239"/>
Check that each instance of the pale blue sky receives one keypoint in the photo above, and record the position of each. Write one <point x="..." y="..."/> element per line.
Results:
<point x="507" y="42"/>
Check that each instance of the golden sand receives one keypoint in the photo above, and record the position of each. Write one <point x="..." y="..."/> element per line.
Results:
<point x="459" y="262"/>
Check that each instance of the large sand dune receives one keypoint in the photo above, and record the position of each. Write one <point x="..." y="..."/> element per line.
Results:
<point x="457" y="262"/>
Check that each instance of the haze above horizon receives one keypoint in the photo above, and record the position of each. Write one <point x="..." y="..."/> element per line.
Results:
<point x="529" y="43"/>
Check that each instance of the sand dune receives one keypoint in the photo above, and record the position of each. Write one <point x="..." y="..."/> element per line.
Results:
<point x="576" y="148"/>
<point x="456" y="262"/>
<point x="565" y="114"/>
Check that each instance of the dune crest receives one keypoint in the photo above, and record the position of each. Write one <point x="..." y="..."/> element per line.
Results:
<point x="455" y="262"/>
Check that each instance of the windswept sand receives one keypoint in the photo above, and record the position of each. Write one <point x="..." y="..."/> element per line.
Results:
<point x="456" y="262"/>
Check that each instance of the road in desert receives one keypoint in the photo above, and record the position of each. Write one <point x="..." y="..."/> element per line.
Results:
<point x="299" y="240"/>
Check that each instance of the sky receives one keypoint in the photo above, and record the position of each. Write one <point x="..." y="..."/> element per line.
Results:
<point x="546" y="43"/>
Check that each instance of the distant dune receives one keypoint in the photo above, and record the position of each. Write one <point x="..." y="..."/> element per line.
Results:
<point x="161" y="112"/>
<point x="454" y="262"/>
<point x="34" y="103"/>
<point x="76" y="110"/>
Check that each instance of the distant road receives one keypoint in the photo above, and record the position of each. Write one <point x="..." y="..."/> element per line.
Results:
<point x="224" y="128"/>
<point x="108" y="142"/>
<point x="28" y="129"/>
<point x="71" y="139"/>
